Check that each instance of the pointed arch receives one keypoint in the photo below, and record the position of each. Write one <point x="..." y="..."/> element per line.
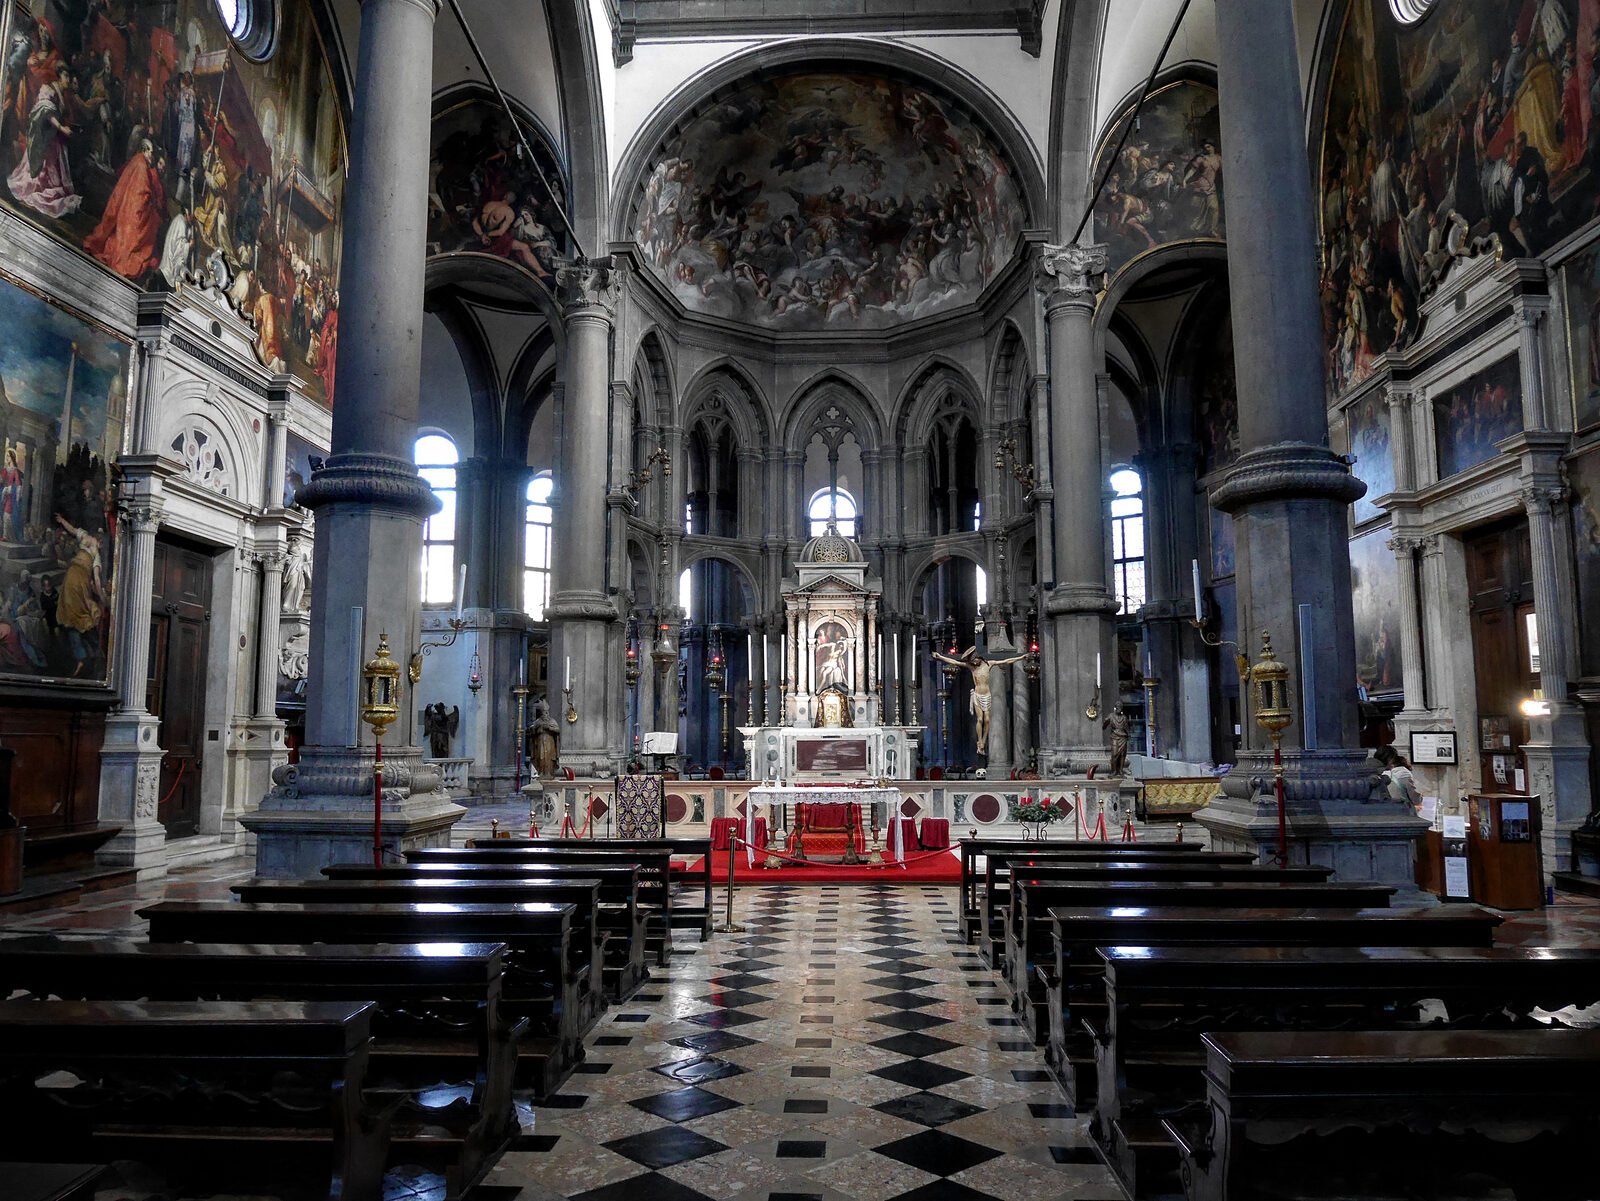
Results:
<point x="655" y="398"/>
<point x="938" y="384"/>
<point x="1010" y="371"/>
<point x="834" y="388"/>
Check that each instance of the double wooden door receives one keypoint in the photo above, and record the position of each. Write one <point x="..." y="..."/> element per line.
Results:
<point x="180" y="616"/>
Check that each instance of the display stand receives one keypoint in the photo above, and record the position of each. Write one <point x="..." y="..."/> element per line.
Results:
<point x="1503" y="850"/>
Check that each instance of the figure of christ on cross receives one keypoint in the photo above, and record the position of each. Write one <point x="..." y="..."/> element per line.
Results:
<point x="982" y="698"/>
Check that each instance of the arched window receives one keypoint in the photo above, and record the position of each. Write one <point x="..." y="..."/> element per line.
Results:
<point x="436" y="460"/>
<point x="686" y="591"/>
<point x="834" y="503"/>
<point x="536" y="546"/>
<point x="1127" y="539"/>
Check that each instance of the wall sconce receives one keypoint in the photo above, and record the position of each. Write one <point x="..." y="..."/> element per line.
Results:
<point x="457" y="624"/>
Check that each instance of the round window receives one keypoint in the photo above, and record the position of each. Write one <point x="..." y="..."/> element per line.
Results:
<point x="250" y="23"/>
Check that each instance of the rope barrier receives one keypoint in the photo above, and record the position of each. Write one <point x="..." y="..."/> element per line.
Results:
<point x="586" y="831"/>
<point x="176" y="780"/>
<point x="736" y="840"/>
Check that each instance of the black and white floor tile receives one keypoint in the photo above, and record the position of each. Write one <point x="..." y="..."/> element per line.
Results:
<point x="845" y="1047"/>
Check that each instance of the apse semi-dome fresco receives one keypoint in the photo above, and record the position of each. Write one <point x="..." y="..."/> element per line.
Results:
<point x="822" y="200"/>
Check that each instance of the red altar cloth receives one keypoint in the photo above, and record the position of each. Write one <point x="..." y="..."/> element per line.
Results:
<point x="723" y="827"/>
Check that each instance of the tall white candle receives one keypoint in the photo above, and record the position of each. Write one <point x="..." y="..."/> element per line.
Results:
<point x="1194" y="567"/>
<point x="568" y="684"/>
<point x="897" y="658"/>
<point x="749" y="655"/>
<point x="1097" y="669"/>
<point x="461" y="591"/>
<point x="1147" y="672"/>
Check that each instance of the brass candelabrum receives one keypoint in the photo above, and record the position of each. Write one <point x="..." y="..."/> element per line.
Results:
<point x="638" y="479"/>
<point x="1150" y="684"/>
<point x="1008" y="458"/>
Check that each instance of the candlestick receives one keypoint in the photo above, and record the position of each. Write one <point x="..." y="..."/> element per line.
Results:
<point x="1194" y="567"/>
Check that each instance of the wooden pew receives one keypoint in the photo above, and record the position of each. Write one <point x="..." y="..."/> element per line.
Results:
<point x="536" y="982"/>
<point x="1220" y="866"/>
<point x="586" y="950"/>
<point x="998" y="868"/>
<point x="691" y="896"/>
<point x="973" y="849"/>
<point x="1030" y="938"/>
<point x="217" y="1093"/>
<point x="654" y="868"/>
<point x="1076" y="989"/>
<point x="621" y="918"/>
<point x="1148" y="1055"/>
<point x="1386" y="1114"/>
<point x="436" y="1018"/>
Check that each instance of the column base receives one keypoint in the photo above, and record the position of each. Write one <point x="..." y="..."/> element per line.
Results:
<point x="130" y="784"/>
<point x="320" y="811"/>
<point x="1337" y="812"/>
<point x="1558" y="773"/>
<point x="257" y="751"/>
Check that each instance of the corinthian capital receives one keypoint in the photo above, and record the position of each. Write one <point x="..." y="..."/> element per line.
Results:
<point x="588" y="282"/>
<point x="1539" y="498"/>
<point x="1074" y="268"/>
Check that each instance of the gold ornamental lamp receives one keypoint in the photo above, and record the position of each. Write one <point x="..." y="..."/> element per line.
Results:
<point x="380" y="693"/>
<point x="1269" y="678"/>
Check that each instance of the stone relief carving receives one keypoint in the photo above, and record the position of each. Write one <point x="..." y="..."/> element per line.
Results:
<point x="1075" y="269"/>
<point x="203" y="460"/>
<point x="147" y="785"/>
<point x="294" y="656"/>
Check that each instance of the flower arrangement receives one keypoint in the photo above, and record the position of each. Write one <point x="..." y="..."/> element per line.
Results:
<point x="1038" y="813"/>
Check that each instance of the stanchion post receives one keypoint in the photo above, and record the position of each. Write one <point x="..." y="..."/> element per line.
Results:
<point x="729" y="926"/>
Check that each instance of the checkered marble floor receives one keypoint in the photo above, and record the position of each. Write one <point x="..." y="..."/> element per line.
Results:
<point x="845" y="1047"/>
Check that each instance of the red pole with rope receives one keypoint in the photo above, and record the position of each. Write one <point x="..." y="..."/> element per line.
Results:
<point x="377" y="803"/>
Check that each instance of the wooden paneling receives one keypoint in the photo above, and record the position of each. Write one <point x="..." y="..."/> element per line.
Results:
<point x="56" y="782"/>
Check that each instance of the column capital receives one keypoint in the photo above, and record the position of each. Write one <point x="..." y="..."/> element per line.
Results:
<point x="1538" y="499"/>
<point x="142" y="511"/>
<point x="1404" y="543"/>
<point x="588" y="287"/>
<point x="1399" y="397"/>
<point x="1075" y="270"/>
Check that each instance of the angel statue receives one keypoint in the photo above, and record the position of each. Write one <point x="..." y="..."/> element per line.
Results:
<point x="982" y="698"/>
<point x="439" y="724"/>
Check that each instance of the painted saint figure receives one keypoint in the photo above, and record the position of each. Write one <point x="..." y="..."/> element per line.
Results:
<point x="982" y="698"/>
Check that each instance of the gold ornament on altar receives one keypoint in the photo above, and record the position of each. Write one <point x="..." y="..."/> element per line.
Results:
<point x="380" y="680"/>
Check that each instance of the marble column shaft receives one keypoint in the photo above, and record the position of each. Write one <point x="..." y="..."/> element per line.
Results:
<point x="1413" y="684"/>
<point x="266" y="686"/>
<point x="1546" y="593"/>
<point x="141" y="521"/>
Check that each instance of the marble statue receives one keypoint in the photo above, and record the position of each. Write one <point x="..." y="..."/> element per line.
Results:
<point x="1117" y="723"/>
<point x="544" y="739"/>
<point x="296" y="593"/>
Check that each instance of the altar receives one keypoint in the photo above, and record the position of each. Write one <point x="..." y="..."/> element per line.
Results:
<point x="824" y="821"/>
<point x="833" y="725"/>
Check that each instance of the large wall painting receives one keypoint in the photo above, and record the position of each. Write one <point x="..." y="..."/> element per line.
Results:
<point x="1475" y="414"/>
<point x="1584" y="473"/>
<point x="63" y="402"/>
<point x="486" y="193"/>
<point x="1478" y="120"/>
<point x="1375" y="588"/>
<point x="1582" y="275"/>
<point x="1367" y="424"/>
<point x="138" y="133"/>
<point x="1217" y="398"/>
<point x="1166" y="185"/>
<point x="829" y="199"/>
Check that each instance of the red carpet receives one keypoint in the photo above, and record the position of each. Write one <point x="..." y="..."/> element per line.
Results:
<point x="938" y="867"/>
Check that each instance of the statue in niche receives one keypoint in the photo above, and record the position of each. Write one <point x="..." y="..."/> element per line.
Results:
<point x="1117" y="723"/>
<point x="543" y="739"/>
<point x="440" y="725"/>
<point x="982" y="698"/>
<point x="296" y="594"/>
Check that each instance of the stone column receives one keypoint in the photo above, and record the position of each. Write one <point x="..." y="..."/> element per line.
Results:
<point x="581" y="613"/>
<point x="998" y="761"/>
<point x="1557" y="749"/>
<point x="370" y="502"/>
<point x="1078" y="609"/>
<point x="130" y="758"/>
<point x="1288" y="491"/>
<point x="1405" y="547"/>
<point x="277" y="448"/>
<point x="1021" y="716"/>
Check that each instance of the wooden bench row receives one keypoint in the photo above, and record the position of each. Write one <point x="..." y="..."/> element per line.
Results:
<point x="481" y="971"/>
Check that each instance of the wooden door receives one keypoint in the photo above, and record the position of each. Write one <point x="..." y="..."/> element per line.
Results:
<point x="180" y="613"/>
<point x="1500" y="589"/>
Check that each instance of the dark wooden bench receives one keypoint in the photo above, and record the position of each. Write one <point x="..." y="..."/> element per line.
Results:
<point x="998" y="868"/>
<point x="1075" y="987"/>
<point x="689" y="881"/>
<point x="586" y="950"/>
<point x="51" y="1181"/>
<point x="437" y="1019"/>
<point x="216" y="1094"/>
<point x="1388" y="1114"/>
<point x="973" y="849"/>
<point x="1148" y="1056"/>
<point x="621" y="918"/>
<point x="655" y="895"/>
<point x="1030" y="938"/>
<point x="1218" y="867"/>
<point x="536" y="983"/>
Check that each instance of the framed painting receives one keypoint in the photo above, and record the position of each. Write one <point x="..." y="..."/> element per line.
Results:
<point x="1581" y="275"/>
<point x="1584" y="473"/>
<point x="63" y="406"/>
<point x="1475" y="414"/>
<point x="1375" y="591"/>
<point x="1367" y="426"/>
